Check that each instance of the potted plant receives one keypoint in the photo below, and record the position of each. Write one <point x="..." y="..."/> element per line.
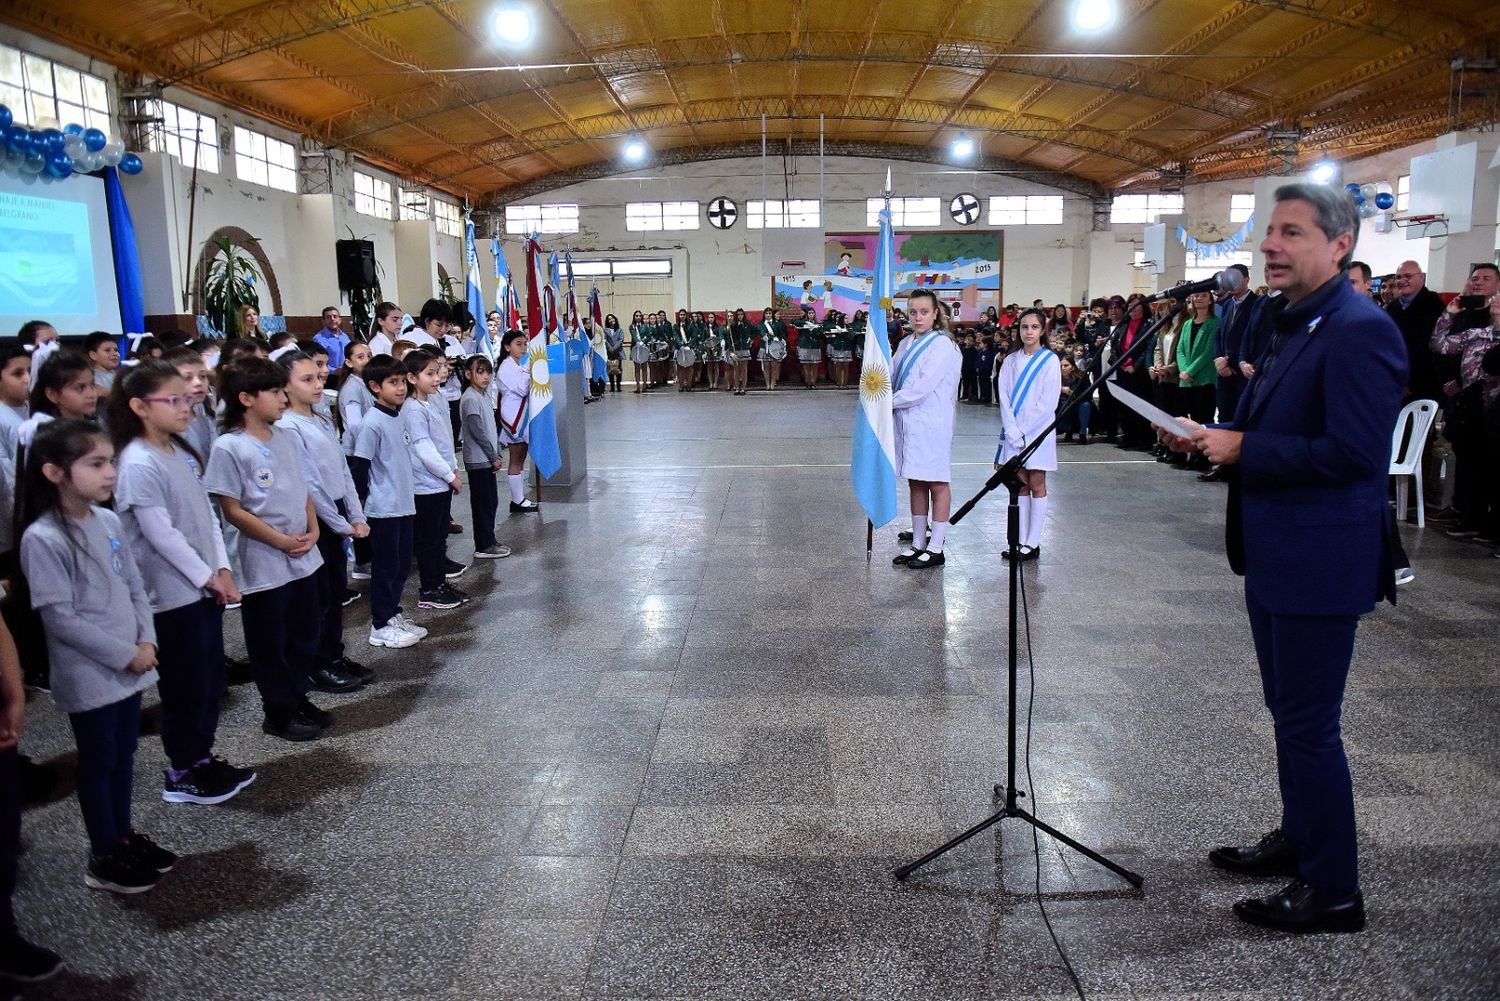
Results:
<point x="229" y="285"/>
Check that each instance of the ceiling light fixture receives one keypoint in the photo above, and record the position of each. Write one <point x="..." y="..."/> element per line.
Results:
<point x="1093" y="15"/>
<point x="635" y="150"/>
<point x="1323" y="172"/>
<point x="512" y="24"/>
<point x="963" y="146"/>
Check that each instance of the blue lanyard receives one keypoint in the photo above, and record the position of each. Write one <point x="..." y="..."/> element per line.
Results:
<point x="904" y="369"/>
<point x="1028" y="376"/>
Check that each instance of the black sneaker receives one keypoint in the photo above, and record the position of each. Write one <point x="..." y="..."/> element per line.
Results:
<point x="453" y="592"/>
<point x="331" y="679"/>
<point x="25" y="963"/>
<point x="149" y="853"/>
<point x="292" y="728"/>
<point x="240" y="776"/>
<point x="120" y="872"/>
<point x="310" y="713"/>
<point x="202" y="784"/>
<point x="440" y="597"/>
<point x="452" y="569"/>
<point x="355" y="669"/>
<point x="350" y="596"/>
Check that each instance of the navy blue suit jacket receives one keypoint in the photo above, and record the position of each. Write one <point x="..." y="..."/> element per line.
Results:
<point x="1308" y="523"/>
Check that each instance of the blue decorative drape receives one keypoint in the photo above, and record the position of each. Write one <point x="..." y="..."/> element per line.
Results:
<point x="127" y="257"/>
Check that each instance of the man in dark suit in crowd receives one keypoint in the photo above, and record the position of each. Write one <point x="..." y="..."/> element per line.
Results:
<point x="1236" y="312"/>
<point x="1308" y="527"/>
<point x="1415" y="310"/>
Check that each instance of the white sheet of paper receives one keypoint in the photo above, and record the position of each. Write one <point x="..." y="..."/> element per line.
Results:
<point x="1156" y="415"/>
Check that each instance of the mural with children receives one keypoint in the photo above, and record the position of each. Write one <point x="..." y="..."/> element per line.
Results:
<point x="965" y="269"/>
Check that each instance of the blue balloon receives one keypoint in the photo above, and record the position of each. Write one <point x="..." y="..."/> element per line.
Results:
<point x="1352" y="187"/>
<point x="17" y="138"/>
<point x="60" y="165"/>
<point x="1359" y="198"/>
<point x="131" y="164"/>
<point x="72" y="129"/>
<point x="6" y="118"/>
<point x="94" y="139"/>
<point x="1384" y="200"/>
<point x="36" y="142"/>
<point x="55" y="140"/>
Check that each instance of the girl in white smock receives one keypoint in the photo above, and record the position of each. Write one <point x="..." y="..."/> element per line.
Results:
<point x="515" y="386"/>
<point x="924" y="383"/>
<point x="1030" y="384"/>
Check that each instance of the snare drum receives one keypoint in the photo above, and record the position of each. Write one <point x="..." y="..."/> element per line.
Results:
<point x="640" y="352"/>
<point x="686" y="357"/>
<point x="776" y="350"/>
<point x="661" y="351"/>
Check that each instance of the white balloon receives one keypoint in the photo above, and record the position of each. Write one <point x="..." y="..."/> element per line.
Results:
<point x="74" y="146"/>
<point x="1367" y="209"/>
<point x="28" y="178"/>
<point x="1369" y="191"/>
<point x="112" y="154"/>
<point x="47" y="122"/>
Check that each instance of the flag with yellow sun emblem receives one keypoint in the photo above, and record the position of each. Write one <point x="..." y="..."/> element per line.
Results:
<point x="873" y="465"/>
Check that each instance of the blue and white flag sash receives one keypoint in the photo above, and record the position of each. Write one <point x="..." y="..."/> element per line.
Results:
<point x="1028" y="378"/>
<point x="909" y="359"/>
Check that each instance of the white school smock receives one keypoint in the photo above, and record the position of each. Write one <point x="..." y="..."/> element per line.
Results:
<point x="924" y="407"/>
<point x="1033" y="414"/>
<point x="515" y="384"/>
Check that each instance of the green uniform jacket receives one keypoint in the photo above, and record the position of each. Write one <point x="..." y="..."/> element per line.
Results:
<point x="809" y="338"/>
<point x="743" y="335"/>
<point x="1195" y="353"/>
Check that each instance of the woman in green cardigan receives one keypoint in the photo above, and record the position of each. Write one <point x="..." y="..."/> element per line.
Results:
<point x="1196" y="375"/>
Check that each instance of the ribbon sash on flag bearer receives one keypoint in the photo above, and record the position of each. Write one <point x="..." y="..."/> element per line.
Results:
<point x="872" y="466"/>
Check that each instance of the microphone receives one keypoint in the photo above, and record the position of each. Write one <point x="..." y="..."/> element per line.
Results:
<point x="1228" y="280"/>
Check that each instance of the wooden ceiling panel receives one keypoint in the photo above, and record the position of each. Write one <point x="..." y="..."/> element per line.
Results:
<point x="1196" y="79"/>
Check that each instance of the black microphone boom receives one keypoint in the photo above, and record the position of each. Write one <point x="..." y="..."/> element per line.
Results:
<point x="1228" y="280"/>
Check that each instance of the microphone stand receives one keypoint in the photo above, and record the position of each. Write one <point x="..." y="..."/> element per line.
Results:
<point x="1008" y="476"/>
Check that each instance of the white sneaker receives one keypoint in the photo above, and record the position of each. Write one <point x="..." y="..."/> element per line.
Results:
<point x="1404" y="575"/>
<point x="361" y="571"/>
<point x="392" y="635"/>
<point x="402" y="622"/>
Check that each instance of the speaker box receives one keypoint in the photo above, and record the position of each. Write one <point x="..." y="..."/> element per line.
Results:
<point x="356" y="261"/>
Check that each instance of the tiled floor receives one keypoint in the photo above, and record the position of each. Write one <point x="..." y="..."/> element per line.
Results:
<point x="679" y="740"/>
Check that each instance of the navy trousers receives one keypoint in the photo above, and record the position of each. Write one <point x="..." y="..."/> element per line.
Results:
<point x="484" y="501"/>
<point x="331" y="580"/>
<point x="430" y="538"/>
<point x="390" y="565"/>
<point x="1304" y="662"/>
<point x="190" y="664"/>
<point x="281" y="636"/>
<point x="106" y="768"/>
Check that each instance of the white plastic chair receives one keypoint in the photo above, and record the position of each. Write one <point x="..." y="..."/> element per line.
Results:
<point x="1416" y="418"/>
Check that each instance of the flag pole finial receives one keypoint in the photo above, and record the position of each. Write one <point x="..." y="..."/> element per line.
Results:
<point x="887" y="184"/>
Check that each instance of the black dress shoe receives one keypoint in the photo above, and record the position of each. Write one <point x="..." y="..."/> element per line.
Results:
<point x="1272" y="855"/>
<point x="307" y="712"/>
<point x="925" y="560"/>
<point x="1300" y="908"/>
<point x="355" y="669"/>
<point x="905" y="558"/>
<point x="292" y="729"/>
<point x="1214" y="475"/>
<point x="333" y="679"/>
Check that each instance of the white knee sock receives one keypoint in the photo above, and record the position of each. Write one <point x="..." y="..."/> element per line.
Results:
<point x="1024" y="528"/>
<point x="517" y="487"/>
<point x="1033" y="536"/>
<point x="918" y="530"/>
<point x="939" y="529"/>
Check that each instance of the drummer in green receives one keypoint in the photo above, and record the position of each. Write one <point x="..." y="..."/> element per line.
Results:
<point x="684" y="337"/>
<point x="809" y="346"/>
<point x="840" y="346"/>
<point x="741" y="336"/>
<point x="773" y="334"/>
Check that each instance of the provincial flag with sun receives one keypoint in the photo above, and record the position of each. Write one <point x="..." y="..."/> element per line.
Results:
<point x="872" y="468"/>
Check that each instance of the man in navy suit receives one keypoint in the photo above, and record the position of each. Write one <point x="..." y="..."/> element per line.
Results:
<point x="1308" y="527"/>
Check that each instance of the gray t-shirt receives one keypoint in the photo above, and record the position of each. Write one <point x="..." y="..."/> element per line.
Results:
<point x="149" y="477"/>
<point x="328" y="478"/>
<point x="354" y="402"/>
<point x="11" y="419"/>
<point x="481" y="443"/>
<point x="202" y="431"/>
<point x="266" y="478"/>
<point x="431" y="453"/>
<point x="93" y="604"/>
<point x="384" y="442"/>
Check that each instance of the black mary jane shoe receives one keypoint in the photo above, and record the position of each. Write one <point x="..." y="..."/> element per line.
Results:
<point x="904" y="558"/>
<point x="925" y="560"/>
<point x="1021" y="553"/>
<point x="1272" y="855"/>
<point x="1300" y="909"/>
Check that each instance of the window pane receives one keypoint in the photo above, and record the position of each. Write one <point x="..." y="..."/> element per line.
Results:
<point x="69" y="87"/>
<point x="1241" y="207"/>
<point x="591" y="269"/>
<point x="10" y="66"/>
<point x="642" y="267"/>
<point x="1403" y="192"/>
<point x="95" y="93"/>
<point x="38" y="74"/>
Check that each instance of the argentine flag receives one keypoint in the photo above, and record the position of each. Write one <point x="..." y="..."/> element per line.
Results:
<point x="600" y="371"/>
<point x="472" y="291"/>
<point x="872" y="467"/>
<point x="541" y="419"/>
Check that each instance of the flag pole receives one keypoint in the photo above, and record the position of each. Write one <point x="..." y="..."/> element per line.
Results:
<point x="869" y="539"/>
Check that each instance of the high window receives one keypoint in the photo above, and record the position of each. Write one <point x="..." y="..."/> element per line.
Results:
<point x="260" y="159"/>
<point x="804" y="213"/>
<point x="185" y="133"/>
<point x="555" y="218"/>
<point x="1026" y="210"/>
<point x="35" y="88"/>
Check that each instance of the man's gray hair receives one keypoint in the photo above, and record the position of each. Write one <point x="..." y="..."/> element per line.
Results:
<point x="1336" y="212"/>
